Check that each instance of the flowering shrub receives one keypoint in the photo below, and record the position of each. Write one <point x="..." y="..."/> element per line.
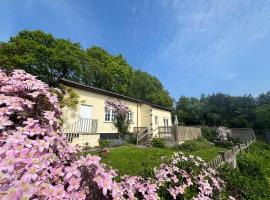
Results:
<point x="224" y="137"/>
<point x="120" y="111"/>
<point x="35" y="158"/>
<point x="187" y="178"/>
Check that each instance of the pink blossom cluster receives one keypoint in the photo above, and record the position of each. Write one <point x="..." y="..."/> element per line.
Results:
<point x="134" y="187"/>
<point x="187" y="173"/>
<point x="223" y="134"/>
<point x="117" y="106"/>
<point x="36" y="161"/>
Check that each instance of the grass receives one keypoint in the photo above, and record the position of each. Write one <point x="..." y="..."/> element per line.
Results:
<point x="132" y="160"/>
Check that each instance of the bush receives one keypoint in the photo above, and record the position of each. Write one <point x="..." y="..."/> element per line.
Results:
<point x="184" y="177"/>
<point x="158" y="142"/>
<point x="243" y="186"/>
<point x="36" y="162"/>
<point x="195" y="145"/>
<point x="210" y="134"/>
<point x="130" y="138"/>
<point x="249" y="166"/>
<point x="111" y="143"/>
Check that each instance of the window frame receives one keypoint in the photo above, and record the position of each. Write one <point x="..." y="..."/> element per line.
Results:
<point x="130" y="117"/>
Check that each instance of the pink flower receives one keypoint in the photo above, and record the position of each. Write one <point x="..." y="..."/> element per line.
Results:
<point x="49" y="115"/>
<point x="4" y="121"/>
<point x="30" y="122"/>
<point x="74" y="184"/>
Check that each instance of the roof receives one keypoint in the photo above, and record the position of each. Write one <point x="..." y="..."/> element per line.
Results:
<point x="108" y="93"/>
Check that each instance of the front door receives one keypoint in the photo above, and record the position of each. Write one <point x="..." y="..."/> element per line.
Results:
<point x="85" y="118"/>
<point x="166" y="124"/>
<point x="165" y="121"/>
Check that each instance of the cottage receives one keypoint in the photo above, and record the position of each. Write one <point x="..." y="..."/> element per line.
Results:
<point x="91" y="121"/>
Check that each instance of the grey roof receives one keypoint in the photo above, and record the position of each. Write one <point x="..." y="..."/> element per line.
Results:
<point x="108" y="93"/>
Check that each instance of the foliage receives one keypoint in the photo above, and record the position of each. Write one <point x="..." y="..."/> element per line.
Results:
<point x="187" y="178"/>
<point x="130" y="138"/>
<point x="111" y="143"/>
<point x="225" y="110"/>
<point x="35" y="159"/>
<point x="52" y="58"/>
<point x="249" y="166"/>
<point x="195" y="145"/>
<point x="66" y="96"/>
<point x="209" y="133"/>
<point x="244" y="186"/>
<point x="120" y="111"/>
<point x="149" y="88"/>
<point x="189" y="110"/>
<point x="224" y="137"/>
<point x="42" y="55"/>
<point x="158" y="142"/>
<point x="251" y="179"/>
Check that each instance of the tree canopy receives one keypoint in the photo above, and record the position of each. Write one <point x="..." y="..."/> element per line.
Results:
<point x="225" y="110"/>
<point x="52" y="59"/>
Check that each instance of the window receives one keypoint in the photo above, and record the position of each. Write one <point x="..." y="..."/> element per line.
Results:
<point x="130" y="117"/>
<point x="109" y="115"/>
<point x="156" y="120"/>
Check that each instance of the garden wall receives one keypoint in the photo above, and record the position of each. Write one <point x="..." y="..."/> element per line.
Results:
<point x="92" y="140"/>
<point x="243" y="134"/>
<point x="184" y="133"/>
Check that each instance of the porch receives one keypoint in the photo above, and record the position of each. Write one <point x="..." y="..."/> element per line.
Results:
<point x="84" y="126"/>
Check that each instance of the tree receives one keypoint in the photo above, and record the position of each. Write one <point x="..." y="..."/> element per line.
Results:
<point x="149" y="88"/>
<point x="51" y="59"/>
<point x="42" y="55"/>
<point x="189" y="110"/>
<point x="106" y="71"/>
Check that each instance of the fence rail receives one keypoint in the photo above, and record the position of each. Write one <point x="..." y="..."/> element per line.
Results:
<point x="82" y="126"/>
<point x="230" y="155"/>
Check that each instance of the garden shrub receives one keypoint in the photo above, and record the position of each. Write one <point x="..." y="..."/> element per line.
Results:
<point x="195" y="145"/>
<point x="209" y="133"/>
<point x="158" y="142"/>
<point x="103" y="143"/>
<point x="36" y="161"/>
<point x="224" y="138"/>
<point x="249" y="166"/>
<point x="121" y="111"/>
<point x="184" y="177"/>
<point x="244" y="186"/>
<point x="130" y="138"/>
<point x="111" y="143"/>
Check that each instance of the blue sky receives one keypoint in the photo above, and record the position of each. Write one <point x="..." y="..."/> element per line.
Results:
<point x="192" y="46"/>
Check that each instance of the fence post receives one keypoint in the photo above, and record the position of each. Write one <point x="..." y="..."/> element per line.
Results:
<point x="222" y="153"/>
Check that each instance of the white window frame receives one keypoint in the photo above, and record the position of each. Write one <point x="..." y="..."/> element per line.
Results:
<point x="156" y="120"/>
<point x="130" y="117"/>
<point x="109" y="115"/>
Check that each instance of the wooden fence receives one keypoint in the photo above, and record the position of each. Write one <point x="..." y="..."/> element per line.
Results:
<point x="230" y="155"/>
<point x="184" y="133"/>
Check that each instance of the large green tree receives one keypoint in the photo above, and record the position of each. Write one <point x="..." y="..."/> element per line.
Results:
<point x="149" y="88"/>
<point x="42" y="55"/>
<point x="106" y="71"/>
<point x="52" y="59"/>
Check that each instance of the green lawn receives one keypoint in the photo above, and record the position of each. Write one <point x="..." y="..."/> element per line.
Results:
<point x="134" y="160"/>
